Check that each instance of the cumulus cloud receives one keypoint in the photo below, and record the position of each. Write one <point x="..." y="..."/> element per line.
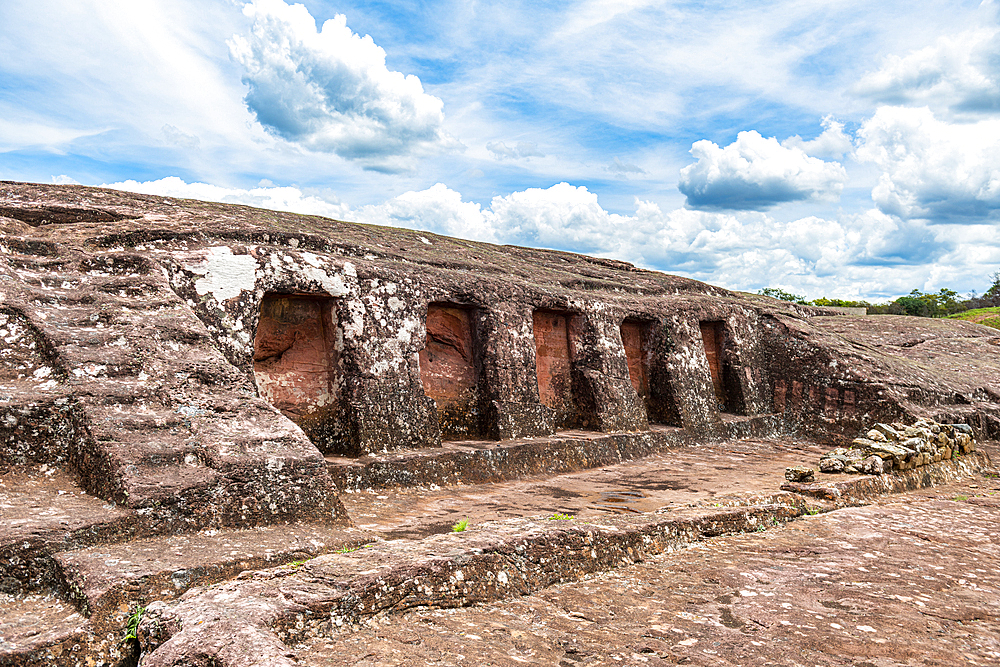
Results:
<point x="958" y="74"/>
<point x="437" y="209"/>
<point x="832" y="143"/>
<point x="288" y="198"/>
<point x="932" y="168"/>
<point x="754" y="173"/>
<point x="330" y="90"/>
<point x="562" y="216"/>
<point x="521" y="150"/>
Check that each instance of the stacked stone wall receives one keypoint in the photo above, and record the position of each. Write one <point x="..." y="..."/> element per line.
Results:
<point x="889" y="447"/>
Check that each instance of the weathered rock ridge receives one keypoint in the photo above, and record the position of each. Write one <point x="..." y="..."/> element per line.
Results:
<point x="195" y="366"/>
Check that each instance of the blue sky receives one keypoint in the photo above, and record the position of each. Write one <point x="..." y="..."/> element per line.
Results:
<point x="832" y="148"/>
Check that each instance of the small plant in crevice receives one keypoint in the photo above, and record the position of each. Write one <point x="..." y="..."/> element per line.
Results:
<point x="347" y="550"/>
<point x="132" y="626"/>
<point x="559" y="516"/>
<point x="960" y="498"/>
<point x="460" y="526"/>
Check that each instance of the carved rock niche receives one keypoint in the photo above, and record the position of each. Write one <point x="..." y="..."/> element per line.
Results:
<point x="296" y="362"/>
<point x="449" y="370"/>
<point x="649" y="373"/>
<point x="559" y="384"/>
<point x="635" y="338"/>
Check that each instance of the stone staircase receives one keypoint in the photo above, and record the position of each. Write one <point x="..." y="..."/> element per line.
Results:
<point x="123" y="432"/>
<point x="164" y="424"/>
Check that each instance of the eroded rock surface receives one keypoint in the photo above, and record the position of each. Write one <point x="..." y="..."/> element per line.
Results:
<point x="178" y="376"/>
<point x="914" y="582"/>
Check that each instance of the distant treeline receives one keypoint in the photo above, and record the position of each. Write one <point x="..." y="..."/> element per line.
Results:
<point x="920" y="304"/>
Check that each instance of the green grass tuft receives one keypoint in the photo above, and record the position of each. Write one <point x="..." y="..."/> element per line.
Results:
<point x="132" y="627"/>
<point x="460" y="526"/>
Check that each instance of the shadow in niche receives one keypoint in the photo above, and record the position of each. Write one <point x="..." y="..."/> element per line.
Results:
<point x="561" y="386"/>
<point x="648" y="372"/>
<point x="297" y="366"/>
<point x="725" y="381"/>
<point x="450" y="370"/>
<point x="36" y="216"/>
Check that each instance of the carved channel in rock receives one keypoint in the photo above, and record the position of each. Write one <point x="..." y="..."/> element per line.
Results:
<point x="449" y="370"/>
<point x="648" y="372"/>
<point x="60" y="215"/>
<point x="725" y="381"/>
<point x="560" y="385"/>
<point x="297" y="366"/>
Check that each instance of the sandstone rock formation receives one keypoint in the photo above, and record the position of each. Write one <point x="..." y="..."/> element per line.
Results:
<point x="196" y="366"/>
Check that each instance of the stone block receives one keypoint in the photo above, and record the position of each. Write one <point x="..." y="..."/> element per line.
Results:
<point x="873" y="465"/>
<point x="876" y="436"/>
<point x="831" y="465"/>
<point x="863" y="443"/>
<point x="888" y="431"/>
<point x="894" y="453"/>
<point x="799" y="474"/>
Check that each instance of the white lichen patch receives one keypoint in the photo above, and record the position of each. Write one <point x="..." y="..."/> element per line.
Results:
<point x="224" y="275"/>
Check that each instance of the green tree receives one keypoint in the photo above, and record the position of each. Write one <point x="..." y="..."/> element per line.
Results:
<point x="948" y="303"/>
<point x="992" y="294"/>
<point x="843" y="303"/>
<point x="776" y="293"/>
<point x="913" y="304"/>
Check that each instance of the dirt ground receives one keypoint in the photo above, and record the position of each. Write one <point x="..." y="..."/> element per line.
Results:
<point x="911" y="580"/>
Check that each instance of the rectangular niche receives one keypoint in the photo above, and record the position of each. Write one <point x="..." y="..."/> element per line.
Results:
<point x="296" y="363"/>
<point x="449" y="372"/>
<point x="635" y="338"/>
<point x="648" y="373"/>
<point x="553" y="331"/>
<point x="728" y="391"/>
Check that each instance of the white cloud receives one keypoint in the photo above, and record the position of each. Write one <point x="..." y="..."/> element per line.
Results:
<point x="288" y="198"/>
<point x="437" y="209"/>
<point x="521" y="150"/>
<point x="178" y="137"/>
<point x="18" y="134"/>
<point x="620" y="168"/>
<point x="754" y="173"/>
<point x="832" y="143"/>
<point x="330" y="90"/>
<point x="957" y="74"/>
<point x="562" y="216"/>
<point x="932" y="168"/>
